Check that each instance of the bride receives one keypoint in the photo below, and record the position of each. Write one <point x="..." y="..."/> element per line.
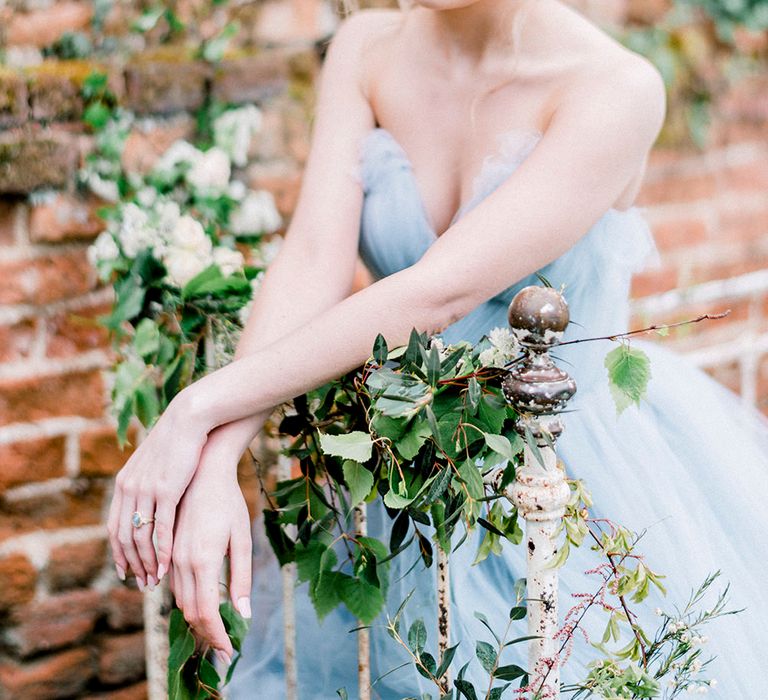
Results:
<point x="459" y="146"/>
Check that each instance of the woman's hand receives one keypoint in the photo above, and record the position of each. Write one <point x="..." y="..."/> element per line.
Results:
<point x="151" y="484"/>
<point x="212" y="519"/>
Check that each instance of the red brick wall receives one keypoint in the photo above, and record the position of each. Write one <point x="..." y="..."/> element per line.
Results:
<point x="68" y="628"/>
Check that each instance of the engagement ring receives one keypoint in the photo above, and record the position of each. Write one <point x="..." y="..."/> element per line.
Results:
<point x="137" y="520"/>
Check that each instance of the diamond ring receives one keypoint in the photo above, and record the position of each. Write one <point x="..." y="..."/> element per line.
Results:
<point x="137" y="520"/>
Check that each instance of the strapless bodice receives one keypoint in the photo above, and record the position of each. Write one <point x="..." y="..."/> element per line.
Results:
<point x="595" y="272"/>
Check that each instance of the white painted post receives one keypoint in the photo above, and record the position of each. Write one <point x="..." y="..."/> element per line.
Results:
<point x="288" y="575"/>
<point x="363" y="635"/>
<point x="537" y="389"/>
<point x="443" y="611"/>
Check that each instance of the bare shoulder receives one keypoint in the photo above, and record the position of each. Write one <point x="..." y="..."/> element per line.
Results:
<point x="353" y="45"/>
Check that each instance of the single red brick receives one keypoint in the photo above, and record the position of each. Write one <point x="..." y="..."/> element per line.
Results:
<point x="165" y="81"/>
<point x="53" y="623"/>
<point x="45" y="279"/>
<point x="64" y="217"/>
<point x="124" y="608"/>
<point x="63" y="675"/>
<point x="73" y="332"/>
<point x="17" y="341"/>
<point x="76" y="564"/>
<point x="121" y="659"/>
<point x="677" y="188"/>
<point x="31" y="460"/>
<point x="251" y="78"/>
<point x="100" y="454"/>
<point x="70" y="394"/>
<point x="80" y="504"/>
<point x="31" y="159"/>
<point x="654" y="281"/>
<point x="44" y="26"/>
<point x="17" y="581"/>
<point x="679" y="233"/>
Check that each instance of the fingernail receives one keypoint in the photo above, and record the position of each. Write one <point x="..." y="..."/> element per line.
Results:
<point x="224" y="658"/>
<point x="160" y="572"/>
<point x="120" y="572"/>
<point x="244" y="606"/>
<point x="151" y="583"/>
<point x="140" y="584"/>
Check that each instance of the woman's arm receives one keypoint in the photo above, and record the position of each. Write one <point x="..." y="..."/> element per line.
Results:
<point x="312" y="272"/>
<point x="595" y="144"/>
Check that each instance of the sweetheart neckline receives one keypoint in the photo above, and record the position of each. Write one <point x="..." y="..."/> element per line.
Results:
<point x="498" y="154"/>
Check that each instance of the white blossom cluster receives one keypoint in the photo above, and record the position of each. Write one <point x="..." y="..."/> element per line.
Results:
<point x="504" y="348"/>
<point x="158" y="222"/>
<point x="177" y="240"/>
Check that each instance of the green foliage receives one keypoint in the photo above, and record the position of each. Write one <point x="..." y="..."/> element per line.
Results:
<point x="731" y="14"/>
<point x="191" y="676"/>
<point x="628" y="373"/>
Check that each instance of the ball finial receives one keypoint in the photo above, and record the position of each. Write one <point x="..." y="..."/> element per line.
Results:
<point x="538" y="316"/>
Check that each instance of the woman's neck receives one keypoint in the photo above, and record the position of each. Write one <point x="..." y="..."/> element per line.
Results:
<point x="473" y="35"/>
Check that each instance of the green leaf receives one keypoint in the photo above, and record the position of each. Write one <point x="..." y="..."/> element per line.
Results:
<point x="470" y="475"/>
<point x="501" y="445"/>
<point x="323" y="591"/>
<point x="234" y="623"/>
<point x="487" y="655"/>
<point x="355" y="445"/>
<point x="380" y="350"/>
<point x="417" y="637"/>
<point x="146" y="340"/>
<point x="363" y="600"/>
<point x="628" y="375"/>
<point x="182" y="646"/>
<point x="509" y="672"/>
<point x="409" y="444"/>
<point x="359" y="481"/>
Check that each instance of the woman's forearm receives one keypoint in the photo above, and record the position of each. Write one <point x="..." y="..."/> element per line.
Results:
<point x="325" y="347"/>
<point x="298" y="285"/>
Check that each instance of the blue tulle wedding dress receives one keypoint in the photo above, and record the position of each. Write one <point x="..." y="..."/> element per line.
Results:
<point x="690" y="466"/>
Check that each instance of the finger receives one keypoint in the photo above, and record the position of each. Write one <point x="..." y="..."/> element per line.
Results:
<point x="165" y="515"/>
<point x="125" y="537"/>
<point x="184" y="587"/>
<point x="121" y="563"/>
<point x="142" y="538"/>
<point x="240" y="570"/>
<point x="209" y="620"/>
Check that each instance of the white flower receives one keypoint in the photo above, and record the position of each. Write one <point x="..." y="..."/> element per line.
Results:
<point x="135" y="233"/>
<point x="103" y="249"/>
<point x="658" y="611"/>
<point x="504" y="347"/>
<point x="182" y="265"/>
<point x="236" y="189"/>
<point x="257" y="213"/>
<point x="696" y="666"/>
<point x="211" y="171"/>
<point x="179" y="153"/>
<point x="713" y="682"/>
<point x="234" y="129"/>
<point x="168" y="215"/>
<point x="229" y="261"/>
<point x="189" y="234"/>
<point x="146" y="196"/>
<point x="106" y="189"/>
<point x="702" y="690"/>
<point x="685" y="637"/>
<point x="267" y="251"/>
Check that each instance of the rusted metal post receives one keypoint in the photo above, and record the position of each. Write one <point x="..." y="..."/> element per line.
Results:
<point x="363" y="635"/>
<point x="538" y="389"/>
